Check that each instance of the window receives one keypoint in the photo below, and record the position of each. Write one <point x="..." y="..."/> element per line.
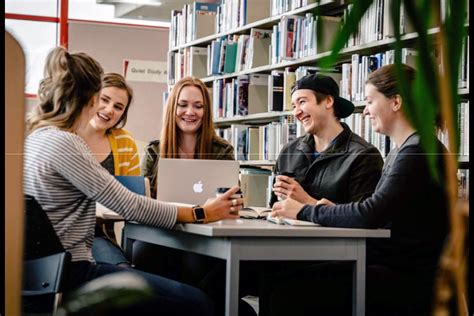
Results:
<point x="36" y="39"/>
<point x="33" y="7"/>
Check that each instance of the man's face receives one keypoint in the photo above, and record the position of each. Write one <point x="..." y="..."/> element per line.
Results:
<point x="313" y="116"/>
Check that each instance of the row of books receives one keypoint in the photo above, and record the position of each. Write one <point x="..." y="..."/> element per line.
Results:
<point x="236" y="13"/>
<point x="463" y="128"/>
<point x="239" y="52"/>
<point x="200" y="19"/>
<point x="354" y="74"/>
<point x="258" y="93"/>
<point x="243" y="95"/>
<point x="266" y="141"/>
<point x="295" y="36"/>
<point x="262" y="142"/>
<point x="376" y="24"/>
<point x="196" y="20"/>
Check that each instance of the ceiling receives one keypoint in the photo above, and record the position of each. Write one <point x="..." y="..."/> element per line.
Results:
<point x="137" y="9"/>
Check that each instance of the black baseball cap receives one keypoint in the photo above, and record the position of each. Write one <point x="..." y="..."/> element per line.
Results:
<point x="327" y="85"/>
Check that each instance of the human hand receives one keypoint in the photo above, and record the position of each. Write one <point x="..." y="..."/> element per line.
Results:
<point x="287" y="187"/>
<point x="221" y="207"/>
<point x="287" y="208"/>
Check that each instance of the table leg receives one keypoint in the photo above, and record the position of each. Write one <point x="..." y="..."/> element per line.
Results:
<point x="358" y="291"/>
<point x="232" y="280"/>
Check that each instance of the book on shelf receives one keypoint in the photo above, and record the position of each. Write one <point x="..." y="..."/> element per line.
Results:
<point x="408" y="57"/>
<point x="287" y="32"/>
<point x="242" y="52"/>
<point x="275" y="93"/>
<point x="215" y="57"/>
<point x="239" y="141"/>
<point x="174" y="27"/>
<point x="257" y="93"/>
<point x="230" y="57"/>
<point x="253" y="143"/>
<point x="259" y="48"/>
<point x="329" y="28"/>
<point x="203" y="19"/>
<point x="198" y="61"/>
<point x="289" y="79"/>
<point x="256" y="10"/>
<point x="242" y="86"/>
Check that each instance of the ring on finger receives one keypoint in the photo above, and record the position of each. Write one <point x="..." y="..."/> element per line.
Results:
<point x="234" y="202"/>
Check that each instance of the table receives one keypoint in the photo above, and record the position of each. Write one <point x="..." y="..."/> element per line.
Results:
<point x="246" y="239"/>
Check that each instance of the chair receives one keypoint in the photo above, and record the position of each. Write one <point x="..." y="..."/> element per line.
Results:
<point x="45" y="261"/>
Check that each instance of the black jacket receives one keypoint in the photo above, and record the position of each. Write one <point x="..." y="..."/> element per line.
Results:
<point x="348" y="170"/>
<point x="408" y="201"/>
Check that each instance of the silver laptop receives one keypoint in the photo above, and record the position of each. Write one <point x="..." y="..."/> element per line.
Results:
<point x="193" y="181"/>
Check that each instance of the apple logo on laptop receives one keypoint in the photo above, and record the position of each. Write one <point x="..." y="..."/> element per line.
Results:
<point x="198" y="187"/>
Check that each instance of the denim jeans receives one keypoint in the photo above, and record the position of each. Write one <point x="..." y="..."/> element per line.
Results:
<point x="170" y="297"/>
<point x="104" y="251"/>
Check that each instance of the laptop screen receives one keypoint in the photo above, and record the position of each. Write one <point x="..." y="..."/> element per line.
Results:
<point x="193" y="181"/>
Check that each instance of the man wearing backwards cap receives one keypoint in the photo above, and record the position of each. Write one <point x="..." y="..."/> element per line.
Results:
<point x="330" y="161"/>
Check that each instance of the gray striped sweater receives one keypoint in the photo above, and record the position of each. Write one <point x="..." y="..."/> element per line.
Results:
<point x="66" y="180"/>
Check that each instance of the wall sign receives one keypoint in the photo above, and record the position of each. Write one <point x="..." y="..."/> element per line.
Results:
<point x="145" y="70"/>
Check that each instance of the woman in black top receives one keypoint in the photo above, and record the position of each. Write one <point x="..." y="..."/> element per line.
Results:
<point x="407" y="200"/>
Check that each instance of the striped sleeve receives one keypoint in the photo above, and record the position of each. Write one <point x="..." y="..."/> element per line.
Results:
<point x="86" y="174"/>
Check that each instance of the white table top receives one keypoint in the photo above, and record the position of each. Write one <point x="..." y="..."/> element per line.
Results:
<point x="263" y="228"/>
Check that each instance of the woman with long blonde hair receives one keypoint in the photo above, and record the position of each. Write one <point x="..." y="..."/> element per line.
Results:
<point x="188" y="130"/>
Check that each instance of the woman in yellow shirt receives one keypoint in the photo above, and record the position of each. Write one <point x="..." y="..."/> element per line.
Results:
<point x="115" y="149"/>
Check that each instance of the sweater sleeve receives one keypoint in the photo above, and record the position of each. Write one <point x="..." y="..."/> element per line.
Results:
<point x="83" y="172"/>
<point x="398" y="186"/>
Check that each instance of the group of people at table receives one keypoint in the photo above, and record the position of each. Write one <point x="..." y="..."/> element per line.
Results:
<point x="76" y="144"/>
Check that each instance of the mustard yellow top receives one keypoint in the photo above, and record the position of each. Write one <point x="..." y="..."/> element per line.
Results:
<point x="124" y="149"/>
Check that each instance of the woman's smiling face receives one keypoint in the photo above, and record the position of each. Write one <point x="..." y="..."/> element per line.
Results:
<point x="108" y="110"/>
<point x="189" y="110"/>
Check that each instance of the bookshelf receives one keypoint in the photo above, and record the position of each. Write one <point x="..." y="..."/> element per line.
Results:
<point x="375" y="43"/>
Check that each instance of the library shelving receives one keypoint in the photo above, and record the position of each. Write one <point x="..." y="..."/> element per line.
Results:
<point x="254" y="42"/>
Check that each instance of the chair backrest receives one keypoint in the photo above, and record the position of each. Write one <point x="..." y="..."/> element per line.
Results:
<point x="40" y="237"/>
<point x="45" y="260"/>
<point x="44" y="275"/>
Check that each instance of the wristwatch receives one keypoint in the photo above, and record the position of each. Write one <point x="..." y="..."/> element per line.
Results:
<point x="199" y="214"/>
